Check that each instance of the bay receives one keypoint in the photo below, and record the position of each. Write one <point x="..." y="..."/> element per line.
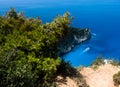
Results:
<point x="101" y="16"/>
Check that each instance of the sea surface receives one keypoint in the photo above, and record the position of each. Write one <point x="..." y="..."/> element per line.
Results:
<point x="101" y="16"/>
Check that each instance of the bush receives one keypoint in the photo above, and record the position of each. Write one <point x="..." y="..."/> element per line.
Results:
<point x="115" y="63"/>
<point x="116" y="79"/>
<point x="99" y="61"/>
<point x="96" y="63"/>
<point x="29" y="49"/>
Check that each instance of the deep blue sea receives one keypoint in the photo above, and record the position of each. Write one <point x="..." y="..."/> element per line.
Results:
<point x="101" y="16"/>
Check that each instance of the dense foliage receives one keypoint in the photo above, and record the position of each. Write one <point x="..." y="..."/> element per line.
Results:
<point x="116" y="79"/>
<point x="29" y="49"/>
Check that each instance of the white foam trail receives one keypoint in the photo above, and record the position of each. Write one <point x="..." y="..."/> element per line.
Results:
<point x="94" y="34"/>
<point x="85" y="50"/>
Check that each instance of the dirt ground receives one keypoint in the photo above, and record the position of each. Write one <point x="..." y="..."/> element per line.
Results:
<point x="101" y="77"/>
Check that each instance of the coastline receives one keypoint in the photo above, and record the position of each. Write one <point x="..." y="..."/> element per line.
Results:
<point x="76" y="36"/>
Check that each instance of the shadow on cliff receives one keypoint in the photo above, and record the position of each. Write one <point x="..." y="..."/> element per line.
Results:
<point x="66" y="70"/>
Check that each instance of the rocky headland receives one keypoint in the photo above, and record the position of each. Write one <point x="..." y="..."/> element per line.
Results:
<point x="74" y="36"/>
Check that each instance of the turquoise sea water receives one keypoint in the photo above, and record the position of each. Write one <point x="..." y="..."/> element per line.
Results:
<point x="101" y="16"/>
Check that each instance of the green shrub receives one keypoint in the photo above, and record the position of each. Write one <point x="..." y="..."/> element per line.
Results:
<point x="29" y="49"/>
<point x="116" y="79"/>
<point x="115" y="63"/>
<point x="99" y="61"/>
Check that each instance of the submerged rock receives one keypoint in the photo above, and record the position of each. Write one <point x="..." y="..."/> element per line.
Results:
<point x="73" y="37"/>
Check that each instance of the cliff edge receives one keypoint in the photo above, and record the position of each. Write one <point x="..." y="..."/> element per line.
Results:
<point x="100" y="77"/>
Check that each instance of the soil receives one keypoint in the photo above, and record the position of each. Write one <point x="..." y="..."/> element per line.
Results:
<point x="101" y="77"/>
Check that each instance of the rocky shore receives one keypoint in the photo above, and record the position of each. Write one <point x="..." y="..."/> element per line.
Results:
<point x="74" y="36"/>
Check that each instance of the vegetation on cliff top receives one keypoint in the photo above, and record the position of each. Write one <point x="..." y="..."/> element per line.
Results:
<point x="29" y="49"/>
<point x="116" y="79"/>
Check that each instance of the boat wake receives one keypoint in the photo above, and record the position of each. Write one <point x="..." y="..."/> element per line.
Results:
<point x="85" y="50"/>
<point x="94" y="34"/>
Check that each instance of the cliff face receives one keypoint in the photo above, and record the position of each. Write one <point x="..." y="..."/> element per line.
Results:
<point x="74" y="37"/>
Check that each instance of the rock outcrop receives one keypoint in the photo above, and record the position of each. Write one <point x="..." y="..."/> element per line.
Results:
<point x="74" y="36"/>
